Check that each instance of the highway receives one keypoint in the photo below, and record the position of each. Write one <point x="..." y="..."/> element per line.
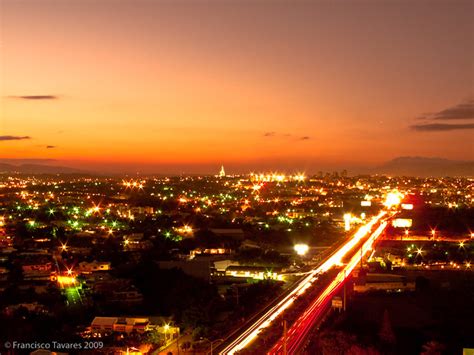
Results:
<point x="298" y="332"/>
<point x="251" y="332"/>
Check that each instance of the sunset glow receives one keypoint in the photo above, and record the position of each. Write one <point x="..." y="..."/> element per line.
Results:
<point x="157" y="86"/>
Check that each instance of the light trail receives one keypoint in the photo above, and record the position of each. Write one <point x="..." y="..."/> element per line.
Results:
<point x="247" y="336"/>
<point x="303" y="325"/>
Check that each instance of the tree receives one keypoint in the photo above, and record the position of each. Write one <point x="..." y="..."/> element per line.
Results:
<point x="155" y="338"/>
<point x="386" y="334"/>
<point x="335" y="343"/>
<point x="433" y="348"/>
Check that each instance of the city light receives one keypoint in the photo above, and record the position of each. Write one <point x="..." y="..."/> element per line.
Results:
<point x="393" y="199"/>
<point x="347" y="221"/>
<point x="301" y="249"/>
<point x="66" y="280"/>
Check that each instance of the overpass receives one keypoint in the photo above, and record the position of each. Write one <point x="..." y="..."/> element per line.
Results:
<point x="297" y="332"/>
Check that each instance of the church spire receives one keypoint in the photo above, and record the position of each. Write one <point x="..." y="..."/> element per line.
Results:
<point x="222" y="172"/>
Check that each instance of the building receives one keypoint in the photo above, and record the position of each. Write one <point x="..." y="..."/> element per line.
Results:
<point x="222" y="172"/>
<point x="228" y="232"/>
<point x="383" y="282"/>
<point x="134" y="324"/>
<point x="120" y="324"/>
<point x="254" y="272"/>
<point x="86" y="268"/>
<point x="197" y="268"/>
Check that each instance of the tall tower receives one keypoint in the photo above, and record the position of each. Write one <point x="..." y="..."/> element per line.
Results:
<point x="222" y="172"/>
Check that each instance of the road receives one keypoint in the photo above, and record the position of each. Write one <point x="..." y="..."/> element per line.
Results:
<point x="73" y="296"/>
<point x="298" y="332"/>
<point x="248" y="334"/>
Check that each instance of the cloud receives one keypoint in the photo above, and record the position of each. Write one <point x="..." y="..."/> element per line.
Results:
<point x="14" y="138"/>
<point x="462" y="111"/>
<point x="269" y="134"/>
<point x="35" y="97"/>
<point x="439" y="127"/>
<point x="50" y="146"/>
<point x="285" y="135"/>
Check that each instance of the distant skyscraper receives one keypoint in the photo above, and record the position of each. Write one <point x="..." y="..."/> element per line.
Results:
<point x="222" y="172"/>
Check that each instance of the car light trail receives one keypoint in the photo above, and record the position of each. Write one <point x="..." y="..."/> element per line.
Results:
<point x="247" y="336"/>
<point x="301" y="327"/>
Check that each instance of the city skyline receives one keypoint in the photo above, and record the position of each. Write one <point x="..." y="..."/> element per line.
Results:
<point x="188" y="86"/>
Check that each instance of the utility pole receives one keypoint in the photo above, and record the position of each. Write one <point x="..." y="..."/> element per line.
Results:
<point x="345" y="298"/>
<point x="177" y="342"/>
<point x="284" y="337"/>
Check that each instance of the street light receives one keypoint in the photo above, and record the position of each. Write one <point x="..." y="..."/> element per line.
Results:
<point x="212" y="343"/>
<point x="301" y="249"/>
<point x="166" y="327"/>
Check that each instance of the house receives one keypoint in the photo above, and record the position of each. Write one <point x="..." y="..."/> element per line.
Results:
<point x="383" y="282"/>
<point x="86" y="268"/>
<point x="133" y="324"/>
<point x="228" y="232"/>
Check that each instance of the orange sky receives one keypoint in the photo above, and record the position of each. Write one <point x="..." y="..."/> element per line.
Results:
<point x="189" y="83"/>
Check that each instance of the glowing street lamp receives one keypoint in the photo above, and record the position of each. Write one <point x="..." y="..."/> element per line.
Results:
<point x="393" y="199"/>
<point x="347" y="221"/>
<point x="301" y="249"/>
<point x="166" y="328"/>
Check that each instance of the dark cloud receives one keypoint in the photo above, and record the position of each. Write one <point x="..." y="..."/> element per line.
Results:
<point x="438" y="127"/>
<point x="35" y="97"/>
<point x="50" y="146"/>
<point x="463" y="111"/>
<point x="269" y="134"/>
<point x="285" y="135"/>
<point x="14" y="138"/>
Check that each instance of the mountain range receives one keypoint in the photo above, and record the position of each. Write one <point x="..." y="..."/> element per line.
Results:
<point x="401" y="166"/>
<point x="425" y="167"/>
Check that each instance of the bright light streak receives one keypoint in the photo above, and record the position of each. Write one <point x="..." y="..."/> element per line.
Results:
<point x="335" y="259"/>
<point x="305" y="320"/>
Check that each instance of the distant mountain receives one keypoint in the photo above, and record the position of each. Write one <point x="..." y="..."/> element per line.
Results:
<point x="426" y="167"/>
<point x="37" y="169"/>
<point x="402" y="166"/>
